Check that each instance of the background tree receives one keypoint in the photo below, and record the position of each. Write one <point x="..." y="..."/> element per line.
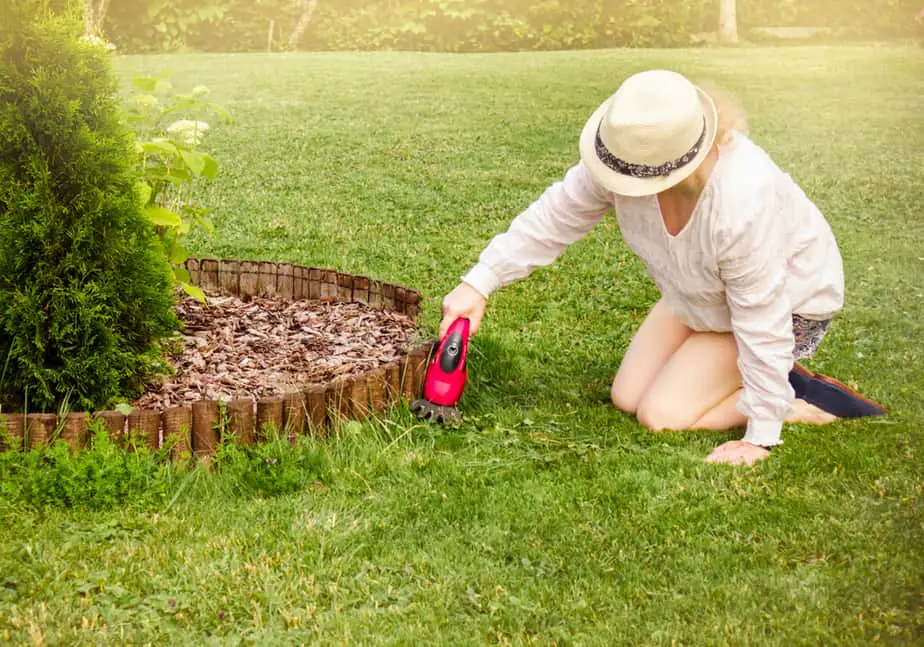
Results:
<point x="304" y="19"/>
<point x="728" y="21"/>
<point x="94" y="17"/>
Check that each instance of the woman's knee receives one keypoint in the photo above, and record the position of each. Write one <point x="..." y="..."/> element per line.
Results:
<point x="624" y="397"/>
<point x="652" y="347"/>
<point x="657" y="413"/>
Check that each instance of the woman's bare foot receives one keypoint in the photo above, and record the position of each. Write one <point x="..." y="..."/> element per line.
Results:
<point x="808" y="413"/>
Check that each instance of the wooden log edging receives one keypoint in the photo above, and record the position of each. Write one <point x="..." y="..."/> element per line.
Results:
<point x="198" y="427"/>
<point x="249" y="279"/>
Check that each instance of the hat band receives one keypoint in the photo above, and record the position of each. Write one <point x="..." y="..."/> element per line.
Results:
<point x="644" y="170"/>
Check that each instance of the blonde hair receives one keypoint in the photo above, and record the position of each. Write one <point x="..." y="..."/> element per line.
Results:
<point x="731" y="116"/>
<point x="731" y="120"/>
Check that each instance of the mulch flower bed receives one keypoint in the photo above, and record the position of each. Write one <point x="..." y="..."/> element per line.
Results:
<point x="264" y="347"/>
<point x="278" y="345"/>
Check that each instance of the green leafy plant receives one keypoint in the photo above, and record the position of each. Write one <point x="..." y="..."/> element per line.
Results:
<point x="98" y="477"/>
<point x="106" y="474"/>
<point x="170" y="130"/>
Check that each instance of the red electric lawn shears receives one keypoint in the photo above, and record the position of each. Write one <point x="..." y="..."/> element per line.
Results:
<point x="446" y="376"/>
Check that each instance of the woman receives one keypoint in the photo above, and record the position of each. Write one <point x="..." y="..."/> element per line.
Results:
<point x="749" y="271"/>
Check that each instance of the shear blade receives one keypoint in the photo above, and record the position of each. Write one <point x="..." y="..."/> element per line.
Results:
<point x="426" y="410"/>
<point x="421" y="407"/>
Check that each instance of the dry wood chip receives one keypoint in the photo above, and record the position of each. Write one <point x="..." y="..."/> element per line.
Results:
<point x="231" y="349"/>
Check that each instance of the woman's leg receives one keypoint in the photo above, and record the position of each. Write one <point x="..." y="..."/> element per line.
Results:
<point x="699" y="389"/>
<point x="674" y="378"/>
<point x="700" y="376"/>
<point x="725" y="415"/>
<point x="656" y="341"/>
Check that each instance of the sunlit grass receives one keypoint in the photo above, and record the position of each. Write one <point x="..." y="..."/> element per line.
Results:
<point x="549" y="517"/>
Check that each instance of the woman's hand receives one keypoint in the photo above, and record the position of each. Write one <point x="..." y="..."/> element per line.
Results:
<point x="737" y="452"/>
<point x="464" y="301"/>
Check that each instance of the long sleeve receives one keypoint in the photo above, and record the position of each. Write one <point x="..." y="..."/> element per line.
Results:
<point x="564" y="213"/>
<point x="752" y="264"/>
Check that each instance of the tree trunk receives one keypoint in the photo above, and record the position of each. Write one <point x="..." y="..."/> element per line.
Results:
<point x="308" y="7"/>
<point x="89" y="19"/>
<point x="94" y="17"/>
<point x="728" y="21"/>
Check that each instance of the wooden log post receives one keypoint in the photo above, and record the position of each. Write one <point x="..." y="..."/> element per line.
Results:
<point x="338" y="399"/>
<point x="330" y="403"/>
<point x="248" y="282"/>
<point x="378" y="398"/>
<point x="295" y="414"/>
<point x="418" y="359"/>
<point x="145" y="424"/>
<point x="314" y="283"/>
<point x="40" y="429"/>
<point x="407" y="379"/>
<point x="393" y="383"/>
<point x="300" y="282"/>
<point x="412" y="304"/>
<point x="270" y="417"/>
<point x="192" y="266"/>
<point x="229" y="277"/>
<point x="413" y="372"/>
<point x="317" y="409"/>
<point x="359" y="398"/>
<point x="388" y="296"/>
<point x="241" y="420"/>
<point x="401" y="299"/>
<point x="344" y="287"/>
<point x="177" y="431"/>
<point x="74" y="432"/>
<point x="208" y="275"/>
<point x="285" y="277"/>
<point x="376" y="299"/>
<point x="114" y="422"/>
<point x="329" y="288"/>
<point x="266" y="281"/>
<point x="205" y="419"/>
<point x="345" y="399"/>
<point x="14" y="426"/>
<point x="361" y="289"/>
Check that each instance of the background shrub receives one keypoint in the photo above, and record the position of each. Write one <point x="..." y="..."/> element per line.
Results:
<point x="85" y="292"/>
<point x="478" y="25"/>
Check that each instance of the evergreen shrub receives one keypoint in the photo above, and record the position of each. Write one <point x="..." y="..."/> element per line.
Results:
<point x="85" y="289"/>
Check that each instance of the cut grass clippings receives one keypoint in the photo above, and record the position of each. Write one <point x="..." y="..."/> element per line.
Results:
<point x="549" y="517"/>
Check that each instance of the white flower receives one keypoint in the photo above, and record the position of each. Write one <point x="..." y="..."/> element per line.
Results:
<point x="200" y="91"/>
<point x="188" y="131"/>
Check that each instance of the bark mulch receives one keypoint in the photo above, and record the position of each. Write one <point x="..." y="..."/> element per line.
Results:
<point x="267" y="347"/>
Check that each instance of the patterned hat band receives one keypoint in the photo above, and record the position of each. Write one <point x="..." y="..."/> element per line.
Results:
<point x="643" y="170"/>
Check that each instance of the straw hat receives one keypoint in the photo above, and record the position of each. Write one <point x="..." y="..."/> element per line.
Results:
<point x="652" y="134"/>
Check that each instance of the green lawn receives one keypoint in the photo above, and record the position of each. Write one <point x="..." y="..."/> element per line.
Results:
<point x="549" y="518"/>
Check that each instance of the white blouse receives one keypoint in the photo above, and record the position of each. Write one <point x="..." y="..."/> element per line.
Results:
<point x="755" y="251"/>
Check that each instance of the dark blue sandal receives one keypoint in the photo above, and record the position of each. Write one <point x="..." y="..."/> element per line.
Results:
<point x="831" y="396"/>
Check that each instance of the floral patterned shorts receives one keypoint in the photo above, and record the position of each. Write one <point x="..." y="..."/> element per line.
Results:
<point x="808" y="334"/>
